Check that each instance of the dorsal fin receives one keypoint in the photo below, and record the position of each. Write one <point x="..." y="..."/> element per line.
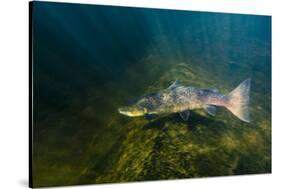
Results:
<point x="175" y="84"/>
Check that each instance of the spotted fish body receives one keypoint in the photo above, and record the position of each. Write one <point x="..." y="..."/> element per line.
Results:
<point x="180" y="99"/>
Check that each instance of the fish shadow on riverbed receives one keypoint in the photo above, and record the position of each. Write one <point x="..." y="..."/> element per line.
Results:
<point x="194" y="120"/>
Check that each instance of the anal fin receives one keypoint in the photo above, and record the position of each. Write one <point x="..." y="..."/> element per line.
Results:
<point x="210" y="109"/>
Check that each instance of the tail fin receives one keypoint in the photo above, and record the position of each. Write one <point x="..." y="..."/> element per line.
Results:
<point x="238" y="102"/>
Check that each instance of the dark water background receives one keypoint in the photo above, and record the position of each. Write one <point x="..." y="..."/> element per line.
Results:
<point x="89" y="60"/>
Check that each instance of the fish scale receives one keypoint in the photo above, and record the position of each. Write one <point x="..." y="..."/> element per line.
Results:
<point x="180" y="99"/>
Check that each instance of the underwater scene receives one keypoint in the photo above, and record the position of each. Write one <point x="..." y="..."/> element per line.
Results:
<point x="91" y="61"/>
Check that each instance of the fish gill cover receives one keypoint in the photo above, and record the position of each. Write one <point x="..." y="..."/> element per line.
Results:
<point x="89" y="60"/>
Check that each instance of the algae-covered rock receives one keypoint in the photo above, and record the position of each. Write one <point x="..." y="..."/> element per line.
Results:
<point x="170" y="148"/>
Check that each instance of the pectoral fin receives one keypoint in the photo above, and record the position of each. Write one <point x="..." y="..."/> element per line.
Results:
<point x="184" y="115"/>
<point x="210" y="109"/>
<point x="150" y="117"/>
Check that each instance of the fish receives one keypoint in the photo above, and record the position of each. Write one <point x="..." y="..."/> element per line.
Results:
<point x="181" y="99"/>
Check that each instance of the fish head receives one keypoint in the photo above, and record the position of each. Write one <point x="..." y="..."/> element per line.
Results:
<point x="132" y="111"/>
<point x="147" y="104"/>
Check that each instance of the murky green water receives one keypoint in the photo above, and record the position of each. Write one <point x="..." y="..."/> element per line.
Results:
<point x="90" y="60"/>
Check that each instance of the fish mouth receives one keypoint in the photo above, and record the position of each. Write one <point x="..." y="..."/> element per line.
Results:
<point x="131" y="111"/>
<point x="123" y="111"/>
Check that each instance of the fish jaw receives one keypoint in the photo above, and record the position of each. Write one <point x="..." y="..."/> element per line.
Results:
<point x="133" y="111"/>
